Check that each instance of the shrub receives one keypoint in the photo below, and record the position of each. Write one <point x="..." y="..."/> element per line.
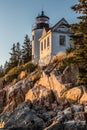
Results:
<point x="29" y="67"/>
<point x="70" y="49"/>
<point x="15" y="72"/>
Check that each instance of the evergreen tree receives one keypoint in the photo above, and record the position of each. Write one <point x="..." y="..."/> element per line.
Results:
<point x="15" y="55"/>
<point x="80" y="40"/>
<point x="6" y="69"/>
<point x="13" y="61"/>
<point x="1" y="71"/>
<point x="18" y="53"/>
<point x="26" y="50"/>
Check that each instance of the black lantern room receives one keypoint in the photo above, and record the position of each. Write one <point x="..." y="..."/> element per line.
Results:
<point x="42" y="21"/>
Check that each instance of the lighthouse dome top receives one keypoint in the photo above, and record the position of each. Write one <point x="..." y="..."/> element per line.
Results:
<point x="42" y="15"/>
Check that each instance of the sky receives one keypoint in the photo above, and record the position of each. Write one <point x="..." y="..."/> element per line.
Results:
<point x="18" y="16"/>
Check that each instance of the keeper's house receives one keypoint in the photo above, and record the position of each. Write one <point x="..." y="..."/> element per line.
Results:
<point x="49" y="41"/>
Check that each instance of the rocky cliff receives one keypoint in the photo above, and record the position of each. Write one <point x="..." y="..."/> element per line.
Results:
<point x="54" y="102"/>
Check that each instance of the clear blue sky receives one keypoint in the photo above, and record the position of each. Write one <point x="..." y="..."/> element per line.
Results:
<point x="18" y="16"/>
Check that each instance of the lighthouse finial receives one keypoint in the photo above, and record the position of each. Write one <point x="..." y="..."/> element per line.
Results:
<point x="42" y="13"/>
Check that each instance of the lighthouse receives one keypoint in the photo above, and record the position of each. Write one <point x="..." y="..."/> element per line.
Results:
<point x="42" y="21"/>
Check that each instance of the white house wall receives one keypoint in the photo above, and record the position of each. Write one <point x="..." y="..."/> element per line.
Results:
<point x="35" y="44"/>
<point x="45" y="54"/>
<point x="56" y="47"/>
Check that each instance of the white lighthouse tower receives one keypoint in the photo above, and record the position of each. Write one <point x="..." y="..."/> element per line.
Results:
<point x="42" y="21"/>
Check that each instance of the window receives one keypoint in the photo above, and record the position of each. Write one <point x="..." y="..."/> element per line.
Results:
<point x="32" y="37"/>
<point x="62" y="40"/>
<point x="41" y="46"/>
<point x="45" y="44"/>
<point x="47" y="41"/>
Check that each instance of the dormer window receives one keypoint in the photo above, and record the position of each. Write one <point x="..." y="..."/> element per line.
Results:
<point x="41" y="46"/>
<point x="48" y="42"/>
<point x="45" y="44"/>
<point x="62" y="40"/>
